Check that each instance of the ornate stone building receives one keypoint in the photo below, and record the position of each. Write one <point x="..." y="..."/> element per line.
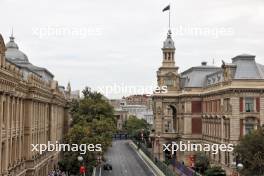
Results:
<point x="33" y="110"/>
<point x="207" y="104"/>
<point x="143" y="99"/>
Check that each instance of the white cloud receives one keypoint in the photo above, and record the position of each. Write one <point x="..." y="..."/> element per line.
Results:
<point x="128" y="47"/>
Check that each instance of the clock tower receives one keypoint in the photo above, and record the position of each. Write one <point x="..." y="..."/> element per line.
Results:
<point x="167" y="74"/>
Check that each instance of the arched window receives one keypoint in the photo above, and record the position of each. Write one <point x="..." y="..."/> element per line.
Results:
<point x="174" y="117"/>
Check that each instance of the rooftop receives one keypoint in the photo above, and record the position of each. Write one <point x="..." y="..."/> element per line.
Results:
<point x="19" y="58"/>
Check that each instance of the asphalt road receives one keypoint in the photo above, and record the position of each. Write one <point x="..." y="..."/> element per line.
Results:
<point x="125" y="161"/>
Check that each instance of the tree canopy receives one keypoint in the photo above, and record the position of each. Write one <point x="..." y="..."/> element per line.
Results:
<point x="250" y="153"/>
<point x="201" y="162"/>
<point x="133" y="125"/>
<point x="93" y="122"/>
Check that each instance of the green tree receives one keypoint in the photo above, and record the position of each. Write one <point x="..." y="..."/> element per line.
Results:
<point x="250" y="152"/>
<point x="78" y="135"/>
<point x="134" y="126"/>
<point x="103" y="131"/>
<point x="215" y="171"/>
<point x="93" y="123"/>
<point x="201" y="163"/>
<point x="91" y="106"/>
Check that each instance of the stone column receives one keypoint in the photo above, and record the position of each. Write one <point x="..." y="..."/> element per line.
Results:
<point x="235" y="119"/>
<point x="6" y="145"/>
<point x="21" y="128"/>
<point x="234" y="123"/>
<point x="28" y="122"/>
<point x="1" y="123"/>
<point x="261" y="110"/>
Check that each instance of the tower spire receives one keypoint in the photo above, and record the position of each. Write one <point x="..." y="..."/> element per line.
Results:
<point x="12" y="35"/>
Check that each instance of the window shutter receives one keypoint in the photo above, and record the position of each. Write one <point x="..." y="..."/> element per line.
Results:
<point x="196" y="106"/>
<point x="258" y="104"/>
<point x="241" y="128"/>
<point x="196" y="126"/>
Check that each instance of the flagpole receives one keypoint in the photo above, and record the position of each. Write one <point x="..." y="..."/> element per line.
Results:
<point x="169" y="16"/>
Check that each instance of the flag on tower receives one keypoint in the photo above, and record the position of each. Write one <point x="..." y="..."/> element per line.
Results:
<point x="166" y="8"/>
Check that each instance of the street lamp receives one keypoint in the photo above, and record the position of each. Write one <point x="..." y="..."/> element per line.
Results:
<point x="238" y="167"/>
<point x="80" y="158"/>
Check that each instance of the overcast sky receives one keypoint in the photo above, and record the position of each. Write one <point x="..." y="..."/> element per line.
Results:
<point x="99" y="43"/>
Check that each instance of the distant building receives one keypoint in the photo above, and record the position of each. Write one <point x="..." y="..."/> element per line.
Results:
<point x="136" y="110"/>
<point x="136" y="105"/>
<point x="140" y="106"/>
<point x="120" y="114"/>
<point x="139" y="100"/>
<point x="117" y="103"/>
<point x="75" y="94"/>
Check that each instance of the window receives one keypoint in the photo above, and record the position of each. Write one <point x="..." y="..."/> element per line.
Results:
<point x="249" y="128"/>
<point x="226" y="128"/>
<point x="169" y="82"/>
<point x="249" y="104"/>
<point x="227" y="106"/>
<point x="249" y="125"/>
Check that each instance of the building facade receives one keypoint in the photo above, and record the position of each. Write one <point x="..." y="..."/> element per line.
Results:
<point x="139" y="106"/>
<point x="134" y="105"/>
<point x="33" y="110"/>
<point x="207" y="105"/>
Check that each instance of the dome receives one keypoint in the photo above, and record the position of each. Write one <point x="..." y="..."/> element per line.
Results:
<point x="13" y="53"/>
<point x="168" y="43"/>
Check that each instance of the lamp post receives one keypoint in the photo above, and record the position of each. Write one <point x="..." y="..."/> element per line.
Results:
<point x="237" y="167"/>
<point x="82" y="168"/>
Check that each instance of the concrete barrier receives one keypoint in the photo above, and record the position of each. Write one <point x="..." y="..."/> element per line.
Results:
<point x="147" y="160"/>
